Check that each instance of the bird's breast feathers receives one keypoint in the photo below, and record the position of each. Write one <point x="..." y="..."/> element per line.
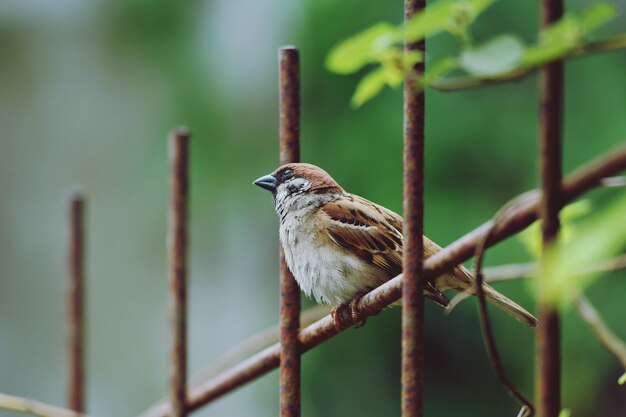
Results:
<point x="334" y="250"/>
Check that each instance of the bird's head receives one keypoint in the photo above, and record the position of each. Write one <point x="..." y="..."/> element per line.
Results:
<point x="294" y="179"/>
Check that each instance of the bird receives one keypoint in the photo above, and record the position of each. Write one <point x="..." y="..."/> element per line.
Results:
<point x="339" y="246"/>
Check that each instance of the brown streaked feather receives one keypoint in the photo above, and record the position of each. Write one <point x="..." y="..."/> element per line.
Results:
<point x="374" y="233"/>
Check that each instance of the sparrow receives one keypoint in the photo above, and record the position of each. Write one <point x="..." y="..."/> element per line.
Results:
<point x="339" y="246"/>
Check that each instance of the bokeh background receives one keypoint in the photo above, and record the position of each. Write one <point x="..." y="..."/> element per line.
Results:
<point x="88" y="93"/>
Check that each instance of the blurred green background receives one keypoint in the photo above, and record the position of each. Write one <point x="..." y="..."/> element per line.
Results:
<point x="88" y="93"/>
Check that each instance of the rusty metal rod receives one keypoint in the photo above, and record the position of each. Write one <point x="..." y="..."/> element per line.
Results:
<point x="177" y="251"/>
<point x="457" y="252"/>
<point x="76" y="303"/>
<point x="413" y="229"/>
<point x="550" y="132"/>
<point x="36" y="408"/>
<point x="289" y="84"/>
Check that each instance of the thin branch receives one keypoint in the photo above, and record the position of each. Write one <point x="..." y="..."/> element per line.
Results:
<point x="466" y="82"/>
<point x="576" y="184"/>
<point x="516" y="271"/>
<point x="512" y="272"/>
<point x="613" y="343"/>
<point x="25" y="405"/>
<point x="528" y="409"/>
<point x="269" y="336"/>
<point x="612" y="182"/>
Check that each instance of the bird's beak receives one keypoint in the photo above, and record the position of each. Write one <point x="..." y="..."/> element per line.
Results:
<point x="268" y="182"/>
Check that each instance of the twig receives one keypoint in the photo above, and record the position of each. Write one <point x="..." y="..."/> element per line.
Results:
<point x="466" y="82"/>
<point x="512" y="272"/>
<point x="613" y="343"/>
<point x="614" y="182"/>
<point x="516" y="271"/>
<point x="25" y="405"/>
<point x="528" y="409"/>
<point x="458" y="252"/>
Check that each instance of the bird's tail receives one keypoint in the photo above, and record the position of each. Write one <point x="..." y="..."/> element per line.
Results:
<point x="509" y="306"/>
<point x="464" y="280"/>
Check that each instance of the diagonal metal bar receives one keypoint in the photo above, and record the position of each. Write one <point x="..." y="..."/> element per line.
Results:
<point x="289" y="292"/>
<point x="548" y="377"/>
<point x="413" y="229"/>
<point x="582" y="180"/>
<point x="36" y="408"/>
<point x="76" y="303"/>
<point x="177" y="249"/>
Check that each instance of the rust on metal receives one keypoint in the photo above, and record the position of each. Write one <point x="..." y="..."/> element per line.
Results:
<point x="413" y="208"/>
<point x="551" y="115"/>
<point x="289" y="85"/>
<point x="177" y="252"/>
<point x="76" y="302"/>
<point x="582" y="180"/>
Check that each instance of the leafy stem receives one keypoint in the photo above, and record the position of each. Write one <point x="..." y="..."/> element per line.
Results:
<point x="467" y="82"/>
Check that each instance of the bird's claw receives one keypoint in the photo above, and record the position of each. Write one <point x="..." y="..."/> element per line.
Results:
<point x="354" y="310"/>
<point x="336" y="315"/>
<point x="338" y="311"/>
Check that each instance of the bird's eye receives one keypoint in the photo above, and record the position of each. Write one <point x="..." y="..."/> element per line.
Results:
<point x="287" y="172"/>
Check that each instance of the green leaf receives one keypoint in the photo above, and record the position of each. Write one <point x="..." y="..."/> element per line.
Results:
<point x="599" y="238"/>
<point x="434" y="19"/>
<point x="478" y="6"/>
<point x="596" y="16"/>
<point x="565" y="413"/>
<point x="622" y="379"/>
<point x="531" y="236"/>
<point x="565" y="31"/>
<point x="468" y="10"/>
<point x="556" y="41"/>
<point x="438" y="68"/>
<point x="369" y="87"/>
<point x="393" y="75"/>
<point x="496" y="56"/>
<point x="410" y="58"/>
<point x="453" y="16"/>
<point x="353" y="53"/>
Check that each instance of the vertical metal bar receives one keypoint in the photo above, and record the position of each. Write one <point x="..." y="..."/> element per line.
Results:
<point x="551" y="114"/>
<point x="76" y="302"/>
<point x="413" y="208"/>
<point x="177" y="250"/>
<point x="289" y="291"/>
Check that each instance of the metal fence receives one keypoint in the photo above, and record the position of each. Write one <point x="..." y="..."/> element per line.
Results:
<point x="295" y="341"/>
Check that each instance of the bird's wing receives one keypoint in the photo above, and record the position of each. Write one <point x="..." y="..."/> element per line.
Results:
<point x="374" y="233"/>
<point x="366" y="229"/>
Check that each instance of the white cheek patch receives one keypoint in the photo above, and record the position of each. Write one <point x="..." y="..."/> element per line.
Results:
<point x="298" y="184"/>
<point x="289" y="196"/>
